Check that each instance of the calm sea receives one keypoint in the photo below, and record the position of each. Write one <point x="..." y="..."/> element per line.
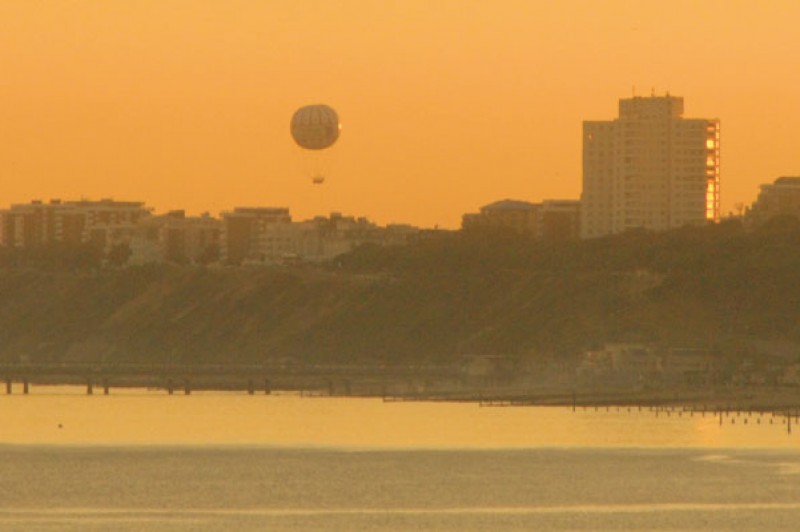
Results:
<point x="139" y="460"/>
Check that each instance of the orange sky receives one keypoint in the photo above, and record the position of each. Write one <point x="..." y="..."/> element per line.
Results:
<point x="446" y="105"/>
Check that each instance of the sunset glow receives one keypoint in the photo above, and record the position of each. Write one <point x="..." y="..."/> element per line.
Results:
<point x="448" y="105"/>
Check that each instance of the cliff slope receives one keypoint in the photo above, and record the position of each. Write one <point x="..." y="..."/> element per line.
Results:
<point x="433" y="300"/>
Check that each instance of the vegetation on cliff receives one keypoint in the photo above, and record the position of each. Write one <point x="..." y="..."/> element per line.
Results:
<point x="443" y="296"/>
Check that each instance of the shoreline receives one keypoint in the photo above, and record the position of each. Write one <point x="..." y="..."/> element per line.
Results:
<point x="768" y="399"/>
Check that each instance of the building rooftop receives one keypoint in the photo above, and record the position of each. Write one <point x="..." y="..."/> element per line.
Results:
<point x="788" y="181"/>
<point x="509" y="205"/>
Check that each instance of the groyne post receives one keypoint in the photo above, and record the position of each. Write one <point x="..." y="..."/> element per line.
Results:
<point x="105" y="387"/>
<point x="89" y="386"/>
<point x="25" y="386"/>
<point x="8" y="385"/>
<point x="187" y="389"/>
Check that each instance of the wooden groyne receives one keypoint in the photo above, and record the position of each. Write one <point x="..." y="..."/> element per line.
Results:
<point x="251" y="378"/>
<point x="408" y="383"/>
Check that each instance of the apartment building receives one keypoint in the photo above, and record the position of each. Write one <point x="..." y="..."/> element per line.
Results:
<point x="102" y="223"/>
<point x="649" y="168"/>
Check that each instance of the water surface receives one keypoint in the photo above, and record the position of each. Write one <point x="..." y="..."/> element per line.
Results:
<point x="139" y="460"/>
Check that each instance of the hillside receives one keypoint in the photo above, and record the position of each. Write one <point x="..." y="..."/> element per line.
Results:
<point x="433" y="300"/>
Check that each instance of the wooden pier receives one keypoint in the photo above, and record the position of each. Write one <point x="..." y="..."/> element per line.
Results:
<point x="251" y="379"/>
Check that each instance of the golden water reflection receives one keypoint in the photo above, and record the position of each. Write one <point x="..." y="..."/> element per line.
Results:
<point x="66" y="415"/>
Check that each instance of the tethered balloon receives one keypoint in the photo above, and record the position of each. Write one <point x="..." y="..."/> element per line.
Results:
<point x="315" y="127"/>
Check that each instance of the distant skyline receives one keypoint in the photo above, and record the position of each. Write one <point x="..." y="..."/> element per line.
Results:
<point x="445" y="105"/>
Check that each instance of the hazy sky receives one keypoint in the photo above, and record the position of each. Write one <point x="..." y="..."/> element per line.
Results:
<point x="446" y="105"/>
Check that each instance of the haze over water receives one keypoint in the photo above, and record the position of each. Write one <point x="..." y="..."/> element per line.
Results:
<point x="143" y="460"/>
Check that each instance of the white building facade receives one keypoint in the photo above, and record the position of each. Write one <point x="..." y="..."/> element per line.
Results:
<point x="649" y="168"/>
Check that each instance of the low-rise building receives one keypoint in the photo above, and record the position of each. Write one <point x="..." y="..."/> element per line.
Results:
<point x="559" y="220"/>
<point x="549" y="220"/>
<point x="780" y="198"/>
<point x="687" y="365"/>
<point x="621" y="363"/>
<point x="269" y="236"/>
<point x="319" y="239"/>
<point x="243" y="232"/>
<point x="246" y="235"/>
<point x="175" y="237"/>
<point x="517" y="215"/>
